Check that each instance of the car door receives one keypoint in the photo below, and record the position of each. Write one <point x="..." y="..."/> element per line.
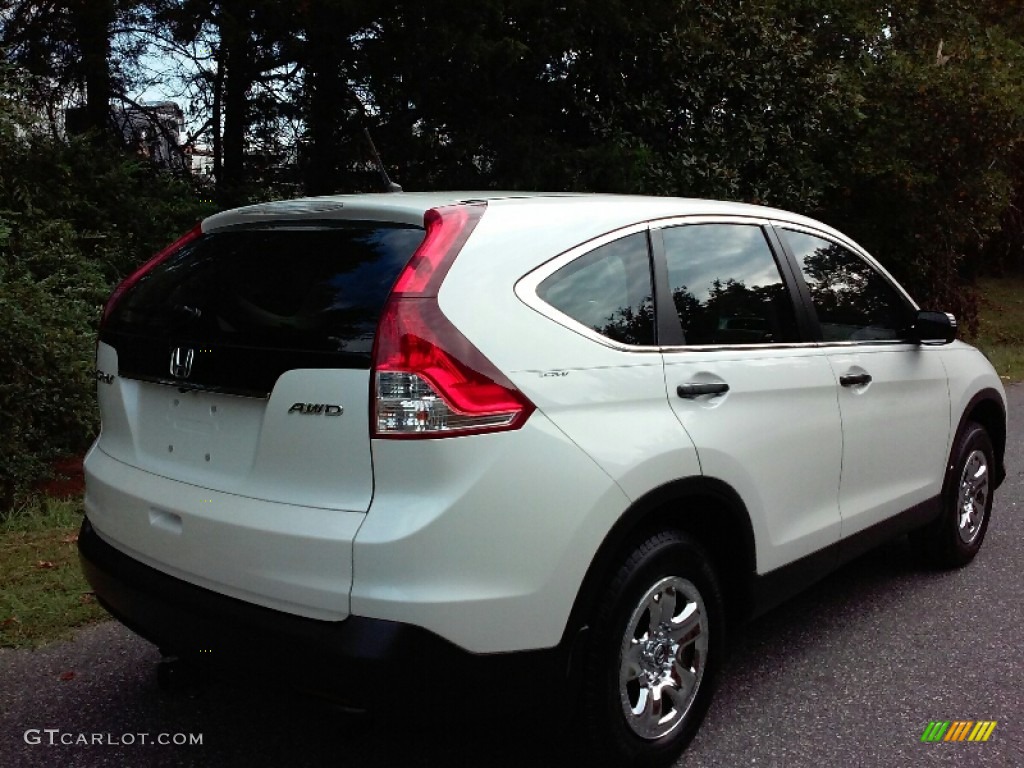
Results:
<point x="756" y="397"/>
<point x="892" y="393"/>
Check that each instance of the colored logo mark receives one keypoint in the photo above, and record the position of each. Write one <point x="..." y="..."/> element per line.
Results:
<point x="958" y="730"/>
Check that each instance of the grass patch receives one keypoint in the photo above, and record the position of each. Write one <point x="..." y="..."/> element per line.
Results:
<point x="1001" y="325"/>
<point x="43" y="595"/>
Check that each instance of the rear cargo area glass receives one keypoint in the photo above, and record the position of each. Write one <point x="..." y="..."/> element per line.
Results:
<point x="254" y="303"/>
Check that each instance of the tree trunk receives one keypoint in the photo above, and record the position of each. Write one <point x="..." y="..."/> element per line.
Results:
<point x="93" y="20"/>
<point x="217" y="124"/>
<point x="237" y="55"/>
<point x="327" y="96"/>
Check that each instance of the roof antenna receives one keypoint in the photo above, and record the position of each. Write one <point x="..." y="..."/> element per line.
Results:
<point x="392" y="187"/>
<point x="363" y="120"/>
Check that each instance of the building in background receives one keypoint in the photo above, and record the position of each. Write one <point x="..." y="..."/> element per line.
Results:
<point x="201" y="163"/>
<point x="154" y="130"/>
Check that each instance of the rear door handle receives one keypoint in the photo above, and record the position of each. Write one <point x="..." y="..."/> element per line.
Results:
<point x="854" y="379"/>
<point x="696" y="390"/>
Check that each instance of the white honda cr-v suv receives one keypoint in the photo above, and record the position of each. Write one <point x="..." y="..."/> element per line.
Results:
<point x="586" y="435"/>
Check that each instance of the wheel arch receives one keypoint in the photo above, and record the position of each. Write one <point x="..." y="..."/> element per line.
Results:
<point x="727" y="536"/>
<point x="987" y="409"/>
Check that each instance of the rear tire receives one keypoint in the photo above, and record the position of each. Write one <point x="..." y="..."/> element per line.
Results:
<point x="658" y="639"/>
<point x="954" y="538"/>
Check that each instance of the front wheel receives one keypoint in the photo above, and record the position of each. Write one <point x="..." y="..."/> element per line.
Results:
<point x="954" y="538"/>
<point x="658" y="637"/>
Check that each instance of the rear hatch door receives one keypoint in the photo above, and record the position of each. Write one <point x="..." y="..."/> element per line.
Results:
<point x="234" y="385"/>
<point x="243" y="360"/>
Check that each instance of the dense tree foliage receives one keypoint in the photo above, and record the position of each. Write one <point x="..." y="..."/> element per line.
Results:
<point x="926" y="172"/>
<point x="900" y="123"/>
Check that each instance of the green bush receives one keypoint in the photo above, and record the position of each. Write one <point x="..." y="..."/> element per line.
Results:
<point x="47" y="406"/>
<point x="75" y="217"/>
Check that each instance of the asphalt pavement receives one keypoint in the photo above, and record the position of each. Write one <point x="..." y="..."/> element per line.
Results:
<point x="848" y="674"/>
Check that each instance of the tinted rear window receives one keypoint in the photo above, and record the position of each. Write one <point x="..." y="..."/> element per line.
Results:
<point x="253" y="304"/>
<point x="316" y="289"/>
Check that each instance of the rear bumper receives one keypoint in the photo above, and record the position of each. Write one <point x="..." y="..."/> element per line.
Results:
<point x="286" y="557"/>
<point x="357" y="661"/>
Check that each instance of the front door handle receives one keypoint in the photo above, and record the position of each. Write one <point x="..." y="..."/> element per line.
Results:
<point x="855" y="379"/>
<point x="696" y="390"/>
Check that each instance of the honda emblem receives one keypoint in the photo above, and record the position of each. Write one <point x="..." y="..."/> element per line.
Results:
<point x="181" y="362"/>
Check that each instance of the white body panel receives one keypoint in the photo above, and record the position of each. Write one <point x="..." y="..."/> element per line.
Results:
<point x="896" y="430"/>
<point x="774" y="437"/>
<point x="483" y="540"/>
<point x="236" y="493"/>
<point x="968" y="372"/>
<point x="282" y="556"/>
<point x="243" y="445"/>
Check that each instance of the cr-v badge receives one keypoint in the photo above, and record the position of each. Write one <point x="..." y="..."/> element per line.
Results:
<point x="181" y="362"/>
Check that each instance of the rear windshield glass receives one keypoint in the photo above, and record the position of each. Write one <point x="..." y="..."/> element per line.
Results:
<point x="318" y="289"/>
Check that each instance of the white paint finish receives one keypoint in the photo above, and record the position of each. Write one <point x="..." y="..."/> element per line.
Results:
<point x="618" y="416"/>
<point x="175" y="431"/>
<point x="774" y="438"/>
<point x="247" y="446"/>
<point x="968" y="372"/>
<point x="484" y="540"/>
<point x="283" y="556"/>
<point x="117" y="404"/>
<point x="316" y="459"/>
<point x="895" y="430"/>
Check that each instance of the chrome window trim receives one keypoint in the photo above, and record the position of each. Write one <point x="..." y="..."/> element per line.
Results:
<point x="740" y="347"/>
<point x="719" y="218"/>
<point x="786" y="345"/>
<point x="869" y="343"/>
<point x="186" y="386"/>
<point x="526" y="287"/>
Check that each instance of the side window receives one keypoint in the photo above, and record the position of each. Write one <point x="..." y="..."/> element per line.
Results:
<point x="852" y="300"/>
<point x="608" y="290"/>
<point x="726" y="285"/>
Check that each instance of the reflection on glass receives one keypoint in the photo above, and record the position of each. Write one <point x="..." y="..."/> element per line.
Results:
<point x="608" y="290"/>
<point x="312" y="289"/>
<point x="853" y="301"/>
<point x="726" y="286"/>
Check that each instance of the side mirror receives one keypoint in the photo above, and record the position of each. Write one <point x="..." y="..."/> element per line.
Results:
<point x="933" y="327"/>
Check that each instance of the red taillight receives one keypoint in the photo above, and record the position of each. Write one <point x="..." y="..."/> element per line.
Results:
<point x="125" y="285"/>
<point x="429" y="379"/>
<point x="448" y="229"/>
